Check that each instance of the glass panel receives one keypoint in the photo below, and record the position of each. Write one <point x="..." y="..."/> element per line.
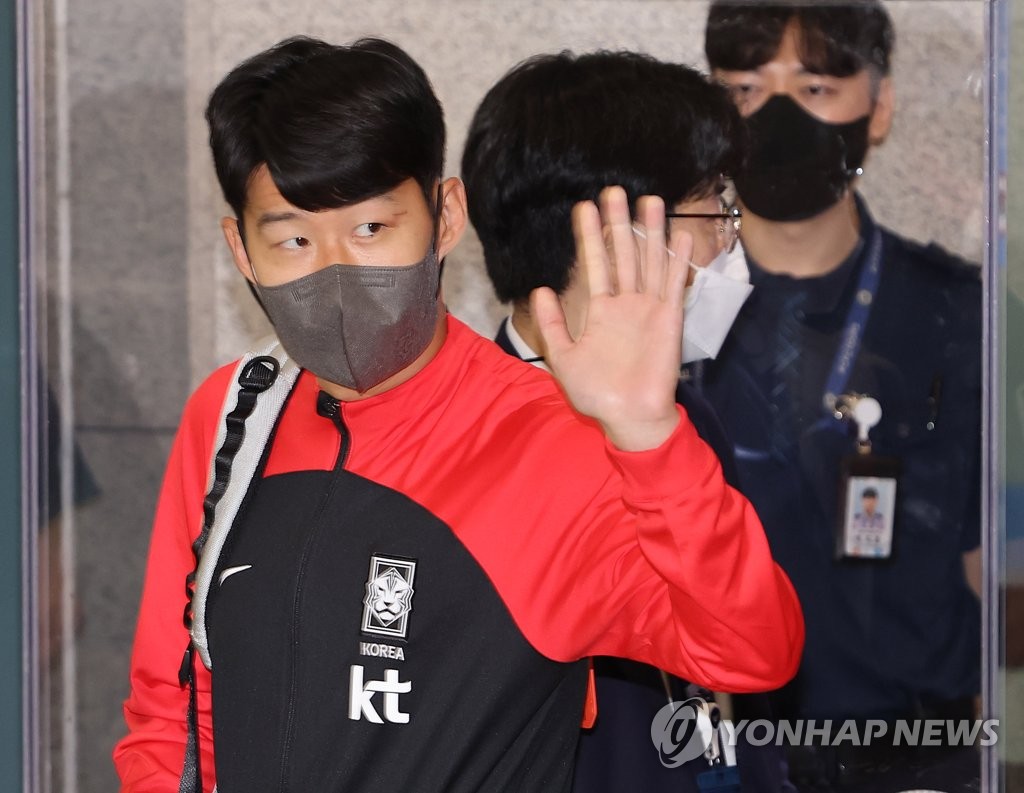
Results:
<point x="14" y="404"/>
<point x="142" y="300"/>
<point x="1010" y="292"/>
<point x="112" y="196"/>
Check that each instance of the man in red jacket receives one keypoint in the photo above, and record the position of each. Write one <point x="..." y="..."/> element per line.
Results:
<point x="437" y="535"/>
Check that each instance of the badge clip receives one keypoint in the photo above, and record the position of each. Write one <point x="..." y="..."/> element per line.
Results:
<point x="862" y="410"/>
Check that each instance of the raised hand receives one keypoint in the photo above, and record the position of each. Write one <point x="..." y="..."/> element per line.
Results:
<point x="623" y="368"/>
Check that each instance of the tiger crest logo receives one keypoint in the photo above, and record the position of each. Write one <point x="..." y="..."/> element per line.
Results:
<point x="388" y="600"/>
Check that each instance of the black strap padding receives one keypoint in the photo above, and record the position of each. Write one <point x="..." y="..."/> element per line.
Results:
<point x="192" y="772"/>
<point x="256" y="376"/>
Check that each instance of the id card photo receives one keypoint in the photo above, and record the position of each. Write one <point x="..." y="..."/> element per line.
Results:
<point x="868" y="524"/>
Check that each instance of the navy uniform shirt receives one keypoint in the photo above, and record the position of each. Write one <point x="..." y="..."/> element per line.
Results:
<point x="885" y="638"/>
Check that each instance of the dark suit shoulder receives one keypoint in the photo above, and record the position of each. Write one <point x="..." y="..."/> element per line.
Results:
<point x="930" y="261"/>
<point x="705" y="420"/>
<point x="929" y="286"/>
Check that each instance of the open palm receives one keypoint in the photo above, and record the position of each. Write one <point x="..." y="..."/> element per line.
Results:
<point x="623" y="368"/>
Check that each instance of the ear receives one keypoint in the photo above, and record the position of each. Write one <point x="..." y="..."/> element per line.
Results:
<point x="453" y="215"/>
<point x="882" y="113"/>
<point x="233" y="237"/>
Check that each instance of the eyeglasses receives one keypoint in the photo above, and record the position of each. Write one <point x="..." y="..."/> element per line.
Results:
<point x="728" y="226"/>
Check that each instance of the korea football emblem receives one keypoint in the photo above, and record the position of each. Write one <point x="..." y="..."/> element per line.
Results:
<point x="388" y="600"/>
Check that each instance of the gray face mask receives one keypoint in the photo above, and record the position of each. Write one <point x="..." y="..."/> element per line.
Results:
<point x="356" y="325"/>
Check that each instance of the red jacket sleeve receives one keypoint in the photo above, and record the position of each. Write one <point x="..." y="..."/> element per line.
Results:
<point x="646" y="555"/>
<point x="736" y="623"/>
<point x="149" y="758"/>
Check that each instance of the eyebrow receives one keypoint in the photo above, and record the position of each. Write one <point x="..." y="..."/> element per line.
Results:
<point x="279" y="217"/>
<point x="275" y="217"/>
<point x="813" y="72"/>
<point x="390" y="198"/>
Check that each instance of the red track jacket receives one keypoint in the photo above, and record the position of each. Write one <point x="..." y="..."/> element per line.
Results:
<point x="534" y="544"/>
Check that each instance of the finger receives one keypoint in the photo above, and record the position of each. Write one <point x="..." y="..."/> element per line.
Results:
<point x="678" y="269"/>
<point x="609" y="249"/>
<point x="625" y="259"/>
<point x="550" y="318"/>
<point x="650" y="211"/>
<point x="591" y="254"/>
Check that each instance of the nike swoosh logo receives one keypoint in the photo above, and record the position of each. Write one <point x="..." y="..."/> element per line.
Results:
<point x="230" y="571"/>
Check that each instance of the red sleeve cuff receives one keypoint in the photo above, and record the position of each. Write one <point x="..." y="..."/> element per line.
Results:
<point x="683" y="461"/>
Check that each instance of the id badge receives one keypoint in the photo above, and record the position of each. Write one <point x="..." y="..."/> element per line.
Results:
<point x="867" y="506"/>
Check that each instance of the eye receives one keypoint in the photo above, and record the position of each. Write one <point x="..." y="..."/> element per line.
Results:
<point x="819" y="89"/>
<point x="745" y="94"/>
<point x="368" y="229"/>
<point x="295" y="243"/>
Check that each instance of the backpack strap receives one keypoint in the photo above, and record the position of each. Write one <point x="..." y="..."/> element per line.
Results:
<point x="265" y="377"/>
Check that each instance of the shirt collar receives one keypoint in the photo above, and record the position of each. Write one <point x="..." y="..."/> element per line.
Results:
<point x="822" y="294"/>
<point x="523" y="350"/>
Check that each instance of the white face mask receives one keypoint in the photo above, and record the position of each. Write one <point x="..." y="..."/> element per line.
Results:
<point x="712" y="302"/>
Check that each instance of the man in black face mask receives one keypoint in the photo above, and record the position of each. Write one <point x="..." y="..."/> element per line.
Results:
<point x="856" y="360"/>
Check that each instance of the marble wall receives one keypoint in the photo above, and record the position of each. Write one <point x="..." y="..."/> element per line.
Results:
<point x="927" y="180"/>
<point x="146" y="301"/>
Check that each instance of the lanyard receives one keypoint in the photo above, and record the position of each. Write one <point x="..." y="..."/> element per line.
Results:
<point x="853" y="328"/>
<point x="856" y="321"/>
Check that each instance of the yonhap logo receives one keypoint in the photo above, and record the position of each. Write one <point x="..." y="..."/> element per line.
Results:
<point x="388" y="600"/>
<point x="681" y="731"/>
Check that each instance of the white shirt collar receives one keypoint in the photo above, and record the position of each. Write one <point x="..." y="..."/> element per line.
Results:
<point x="523" y="350"/>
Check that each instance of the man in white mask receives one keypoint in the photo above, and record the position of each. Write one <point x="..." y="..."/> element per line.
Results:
<point x="554" y="131"/>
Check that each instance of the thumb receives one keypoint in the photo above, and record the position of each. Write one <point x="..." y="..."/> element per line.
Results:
<point x="550" y="318"/>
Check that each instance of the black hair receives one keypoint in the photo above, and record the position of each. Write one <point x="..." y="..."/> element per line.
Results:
<point x="334" y="125"/>
<point x="869" y="492"/>
<point x="558" y="128"/>
<point x="836" y="38"/>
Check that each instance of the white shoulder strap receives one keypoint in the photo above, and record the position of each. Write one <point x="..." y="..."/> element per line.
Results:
<point x="258" y="427"/>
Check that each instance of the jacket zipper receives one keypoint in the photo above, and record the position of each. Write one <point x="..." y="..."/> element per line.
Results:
<point x="329" y="407"/>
